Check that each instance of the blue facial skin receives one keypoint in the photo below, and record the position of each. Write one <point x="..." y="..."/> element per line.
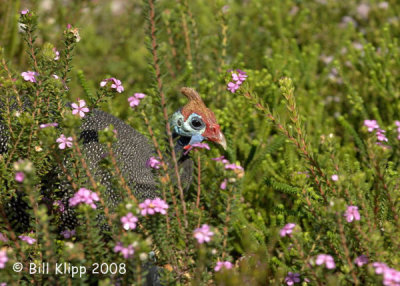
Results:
<point x="184" y="129"/>
<point x="196" y="139"/>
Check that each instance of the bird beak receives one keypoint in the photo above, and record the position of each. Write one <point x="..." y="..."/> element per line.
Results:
<point x="218" y="138"/>
<point x="222" y="140"/>
<point x="213" y="133"/>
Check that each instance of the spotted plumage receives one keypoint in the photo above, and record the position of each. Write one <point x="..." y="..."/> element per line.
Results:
<point x="193" y="123"/>
<point x="3" y="139"/>
<point x="132" y="150"/>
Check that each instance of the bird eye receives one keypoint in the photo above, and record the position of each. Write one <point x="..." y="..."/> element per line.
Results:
<point x="196" y="123"/>
<point x="180" y="122"/>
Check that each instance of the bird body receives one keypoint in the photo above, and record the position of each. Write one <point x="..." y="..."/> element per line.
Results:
<point x="132" y="151"/>
<point x="193" y="123"/>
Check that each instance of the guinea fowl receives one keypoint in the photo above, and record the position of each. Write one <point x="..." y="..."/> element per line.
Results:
<point x="191" y="124"/>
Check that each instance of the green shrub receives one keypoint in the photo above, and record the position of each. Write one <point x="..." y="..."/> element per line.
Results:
<point x="318" y="200"/>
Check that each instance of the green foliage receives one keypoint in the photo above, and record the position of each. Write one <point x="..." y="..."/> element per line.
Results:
<point x="316" y="70"/>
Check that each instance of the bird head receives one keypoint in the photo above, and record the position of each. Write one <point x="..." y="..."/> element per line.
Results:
<point x="196" y="121"/>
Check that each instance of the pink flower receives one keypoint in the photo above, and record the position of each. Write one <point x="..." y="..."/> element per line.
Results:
<point x="371" y="125"/>
<point x="218" y="159"/>
<point x="361" y="260"/>
<point x="397" y="123"/>
<point x="81" y="108"/>
<point x="139" y="95"/>
<point x="292" y="278"/>
<point x="24" y="12"/>
<point x="203" y="234"/>
<point x="391" y="277"/>
<point x="29" y="76"/>
<point x="85" y="196"/>
<point x="221" y="159"/>
<point x="150" y="207"/>
<point x="19" y="177"/>
<point x="197" y="145"/>
<point x="115" y="84"/>
<point x="64" y="141"/>
<point x="28" y="239"/>
<point x="363" y="10"/>
<point x="118" y="247"/>
<point x="45" y="125"/>
<point x="223" y="264"/>
<point x="126" y="252"/>
<point x="238" y="170"/>
<point x="335" y="177"/>
<point x="147" y="207"/>
<point x="3" y="258"/>
<point x="383" y="5"/>
<point x="325" y="259"/>
<point x="287" y="230"/>
<point x="241" y="72"/>
<point x="68" y="233"/>
<point x="379" y="267"/>
<point x="236" y="78"/>
<point x="241" y="76"/>
<point x="129" y="221"/>
<point x="57" y="53"/>
<point x="232" y="87"/>
<point x="135" y="99"/>
<point x="380" y="135"/>
<point x="160" y="206"/>
<point x="352" y="213"/>
<point x="233" y="167"/>
<point x="223" y="184"/>
<point x="201" y="146"/>
<point x="153" y="163"/>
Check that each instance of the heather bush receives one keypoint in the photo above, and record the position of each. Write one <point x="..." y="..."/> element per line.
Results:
<point x="306" y="93"/>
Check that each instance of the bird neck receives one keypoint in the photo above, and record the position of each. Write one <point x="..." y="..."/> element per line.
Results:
<point x="180" y="143"/>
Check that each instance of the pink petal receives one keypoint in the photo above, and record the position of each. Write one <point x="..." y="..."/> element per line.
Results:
<point x="330" y="264"/>
<point x="139" y="95"/>
<point x="320" y="259"/>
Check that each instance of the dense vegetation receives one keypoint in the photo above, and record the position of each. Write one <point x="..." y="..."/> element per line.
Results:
<point x="310" y="189"/>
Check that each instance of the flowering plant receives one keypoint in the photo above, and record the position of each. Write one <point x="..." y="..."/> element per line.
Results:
<point x="307" y="96"/>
